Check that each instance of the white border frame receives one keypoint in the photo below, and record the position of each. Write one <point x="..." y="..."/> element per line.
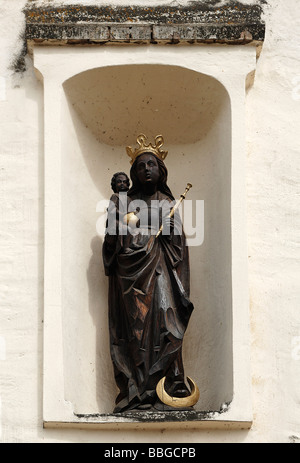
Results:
<point x="230" y="66"/>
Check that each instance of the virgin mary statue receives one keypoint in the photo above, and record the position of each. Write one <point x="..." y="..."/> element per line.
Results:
<point x="149" y="306"/>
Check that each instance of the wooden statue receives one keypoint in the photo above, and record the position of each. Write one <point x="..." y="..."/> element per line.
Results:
<point x="149" y="308"/>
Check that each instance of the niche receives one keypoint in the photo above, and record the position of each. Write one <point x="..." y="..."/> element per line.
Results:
<point x="96" y="101"/>
<point x="103" y="111"/>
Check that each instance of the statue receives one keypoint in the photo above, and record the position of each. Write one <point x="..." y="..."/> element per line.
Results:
<point x="147" y="262"/>
<point x="120" y="182"/>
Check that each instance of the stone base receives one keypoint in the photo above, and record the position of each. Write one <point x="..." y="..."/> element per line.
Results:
<point x="153" y="419"/>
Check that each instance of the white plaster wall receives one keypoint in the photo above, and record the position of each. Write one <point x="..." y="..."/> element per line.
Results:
<point x="273" y="226"/>
<point x="273" y="111"/>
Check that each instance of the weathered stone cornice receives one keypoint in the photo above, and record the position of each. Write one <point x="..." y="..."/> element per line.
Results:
<point x="200" y="22"/>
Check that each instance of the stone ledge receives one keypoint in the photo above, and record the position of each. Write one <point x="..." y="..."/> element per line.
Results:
<point x="203" y="22"/>
<point x="157" y="420"/>
<point x="93" y="33"/>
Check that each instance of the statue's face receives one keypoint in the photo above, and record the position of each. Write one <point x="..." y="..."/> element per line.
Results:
<point x="121" y="183"/>
<point x="147" y="169"/>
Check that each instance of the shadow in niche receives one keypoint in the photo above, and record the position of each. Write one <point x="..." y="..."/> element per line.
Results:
<point x="96" y="159"/>
<point x="119" y="102"/>
<point x="212" y="266"/>
<point x="96" y="287"/>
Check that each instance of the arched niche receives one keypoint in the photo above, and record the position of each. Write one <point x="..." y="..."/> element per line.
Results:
<point x="198" y="97"/>
<point x="103" y="111"/>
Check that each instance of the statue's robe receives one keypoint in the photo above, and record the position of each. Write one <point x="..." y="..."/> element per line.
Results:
<point x="149" y="306"/>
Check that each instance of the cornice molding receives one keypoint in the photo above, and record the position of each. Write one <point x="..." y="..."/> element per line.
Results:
<point x="200" y="22"/>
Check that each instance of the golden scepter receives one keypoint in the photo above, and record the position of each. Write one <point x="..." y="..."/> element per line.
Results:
<point x="182" y="197"/>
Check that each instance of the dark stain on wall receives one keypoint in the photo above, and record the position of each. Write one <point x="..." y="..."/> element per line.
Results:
<point x="198" y="22"/>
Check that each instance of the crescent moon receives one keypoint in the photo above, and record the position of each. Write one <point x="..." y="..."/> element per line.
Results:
<point x="178" y="402"/>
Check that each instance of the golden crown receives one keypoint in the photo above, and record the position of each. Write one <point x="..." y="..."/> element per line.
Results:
<point x="144" y="148"/>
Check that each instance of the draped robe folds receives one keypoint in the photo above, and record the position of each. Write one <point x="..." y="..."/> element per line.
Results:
<point x="149" y="308"/>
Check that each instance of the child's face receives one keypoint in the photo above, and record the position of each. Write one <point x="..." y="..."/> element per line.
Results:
<point x="121" y="183"/>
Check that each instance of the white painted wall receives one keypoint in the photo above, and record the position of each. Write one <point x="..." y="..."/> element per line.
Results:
<point x="273" y="110"/>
